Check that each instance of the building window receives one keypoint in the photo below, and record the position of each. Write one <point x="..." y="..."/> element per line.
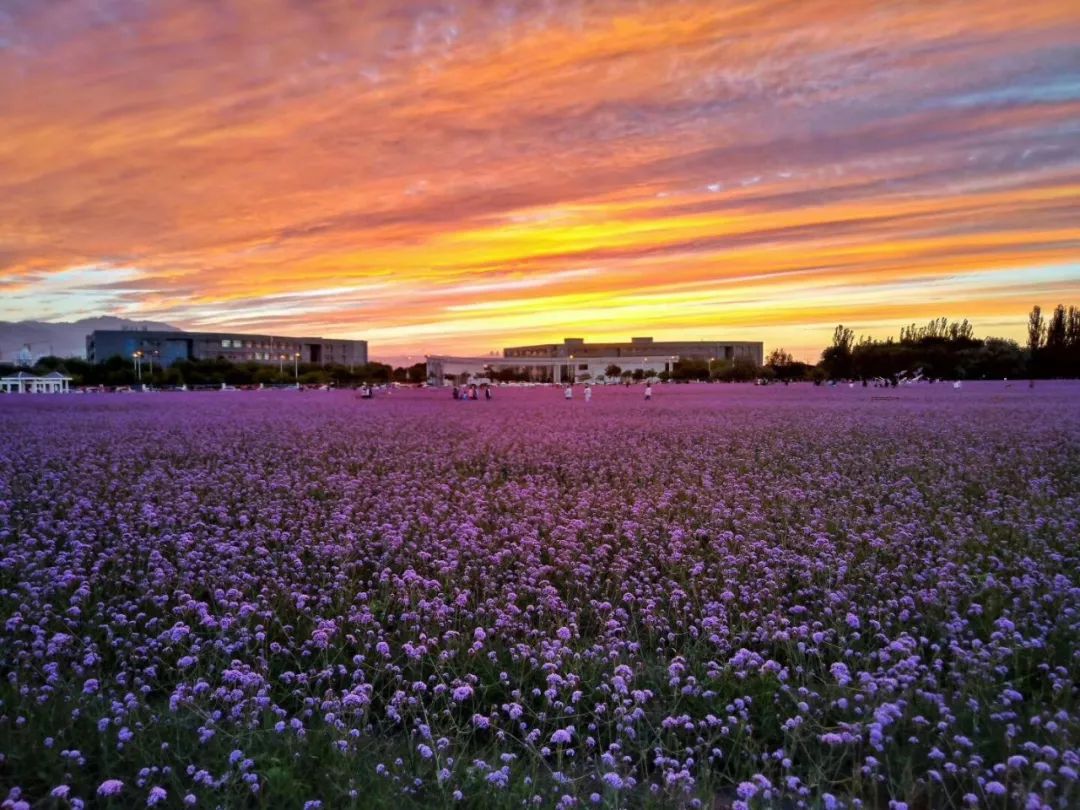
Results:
<point x="225" y="343"/>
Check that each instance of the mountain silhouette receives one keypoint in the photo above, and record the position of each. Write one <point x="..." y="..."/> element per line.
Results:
<point x="61" y="339"/>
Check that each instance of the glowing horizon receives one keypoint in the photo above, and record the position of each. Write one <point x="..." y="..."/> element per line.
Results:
<point x="459" y="178"/>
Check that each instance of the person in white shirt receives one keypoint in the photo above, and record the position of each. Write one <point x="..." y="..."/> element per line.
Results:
<point x="588" y="393"/>
<point x="568" y="393"/>
<point x="648" y="391"/>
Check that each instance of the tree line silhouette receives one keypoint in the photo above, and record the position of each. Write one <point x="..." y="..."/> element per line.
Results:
<point x="946" y="349"/>
<point x="213" y="372"/>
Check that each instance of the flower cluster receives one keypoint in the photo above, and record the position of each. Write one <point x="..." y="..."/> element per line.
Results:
<point x="727" y="596"/>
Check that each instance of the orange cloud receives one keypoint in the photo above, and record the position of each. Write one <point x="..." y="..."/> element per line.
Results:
<point x="461" y="179"/>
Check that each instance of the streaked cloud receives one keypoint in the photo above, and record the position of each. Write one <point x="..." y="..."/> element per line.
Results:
<point x="460" y="176"/>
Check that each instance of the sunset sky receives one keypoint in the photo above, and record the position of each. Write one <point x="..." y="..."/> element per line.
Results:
<point x="462" y="176"/>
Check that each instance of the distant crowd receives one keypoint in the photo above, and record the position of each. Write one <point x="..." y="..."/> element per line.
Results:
<point x="472" y="391"/>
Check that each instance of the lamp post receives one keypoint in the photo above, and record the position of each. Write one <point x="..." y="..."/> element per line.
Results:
<point x="137" y="362"/>
<point x="281" y="365"/>
<point x="296" y="366"/>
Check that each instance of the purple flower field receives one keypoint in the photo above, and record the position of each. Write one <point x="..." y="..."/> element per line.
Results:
<point x="727" y="597"/>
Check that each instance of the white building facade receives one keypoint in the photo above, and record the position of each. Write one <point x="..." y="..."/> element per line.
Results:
<point x="558" y="370"/>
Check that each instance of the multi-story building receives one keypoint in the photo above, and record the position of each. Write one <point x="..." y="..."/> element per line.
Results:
<point x="640" y="348"/>
<point x="574" y="359"/>
<point x="168" y="347"/>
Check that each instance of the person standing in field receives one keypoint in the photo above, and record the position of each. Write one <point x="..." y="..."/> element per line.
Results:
<point x="568" y="393"/>
<point x="648" y="391"/>
<point x="588" y="393"/>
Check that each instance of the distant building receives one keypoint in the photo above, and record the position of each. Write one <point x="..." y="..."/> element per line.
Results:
<point x="575" y="360"/>
<point x="168" y="347"/>
<point x="640" y="348"/>
<point x="543" y="369"/>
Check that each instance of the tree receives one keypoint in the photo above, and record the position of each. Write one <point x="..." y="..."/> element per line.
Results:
<point x="375" y="373"/>
<point x="690" y="369"/>
<point x="843" y="338"/>
<point x="743" y="369"/>
<point x="784" y="367"/>
<point x="116" y="371"/>
<point x="836" y="359"/>
<point x="997" y="358"/>
<point x="1058" y="355"/>
<point x="1056" y="334"/>
<point x="938" y="329"/>
<point x="778" y="358"/>
<point x="1036" y="334"/>
<point x="718" y="369"/>
<point x="612" y="371"/>
<point x="1036" y="329"/>
<point x="1072" y="328"/>
<point x="50" y="363"/>
<point x="1072" y="342"/>
<point x="266" y="375"/>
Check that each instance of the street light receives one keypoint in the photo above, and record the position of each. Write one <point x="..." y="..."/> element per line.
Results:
<point x="296" y="366"/>
<point x="281" y="364"/>
<point x="137" y="362"/>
